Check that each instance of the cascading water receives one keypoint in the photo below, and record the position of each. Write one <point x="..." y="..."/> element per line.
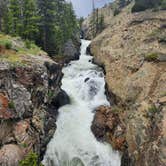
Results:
<point x="73" y="143"/>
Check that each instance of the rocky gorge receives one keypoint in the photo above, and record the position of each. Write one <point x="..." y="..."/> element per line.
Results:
<point x="132" y="51"/>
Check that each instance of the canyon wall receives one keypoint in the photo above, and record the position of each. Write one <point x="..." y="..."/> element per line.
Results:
<point x="30" y="96"/>
<point x="132" y="50"/>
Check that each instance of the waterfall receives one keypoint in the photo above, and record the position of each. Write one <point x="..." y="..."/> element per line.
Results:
<point x="73" y="143"/>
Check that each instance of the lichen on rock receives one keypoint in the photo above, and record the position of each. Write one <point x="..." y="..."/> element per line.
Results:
<point x="133" y="56"/>
<point x="28" y="93"/>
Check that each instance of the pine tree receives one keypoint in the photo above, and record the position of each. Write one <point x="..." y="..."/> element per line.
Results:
<point x="50" y="23"/>
<point x="15" y="14"/>
<point x="57" y="24"/>
<point x="7" y="22"/>
<point x="97" y="23"/>
<point x="70" y="20"/>
<point x="93" y="23"/>
<point x="101" y="23"/>
<point x="122" y="3"/>
<point x="47" y="13"/>
<point x="141" y="5"/>
<point x="2" y="12"/>
<point x="80" y="21"/>
<point x="30" y="19"/>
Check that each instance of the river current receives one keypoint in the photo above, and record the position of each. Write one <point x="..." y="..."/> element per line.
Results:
<point x="73" y="143"/>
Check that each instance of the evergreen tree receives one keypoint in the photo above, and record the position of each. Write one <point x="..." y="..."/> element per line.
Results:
<point x="93" y="23"/>
<point x="69" y="20"/>
<point x="2" y="11"/>
<point x="80" y="21"/>
<point x="47" y="12"/>
<point x="141" y="5"/>
<point x="50" y="23"/>
<point x="122" y="3"/>
<point x="7" y="22"/>
<point x="30" y="19"/>
<point x="97" y="23"/>
<point x="101" y="23"/>
<point x="15" y="14"/>
<point x="57" y="24"/>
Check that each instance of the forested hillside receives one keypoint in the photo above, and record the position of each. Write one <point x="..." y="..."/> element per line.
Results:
<point x="48" y="23"/>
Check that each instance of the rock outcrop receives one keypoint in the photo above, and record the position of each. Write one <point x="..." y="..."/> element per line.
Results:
<point x="107" y="126"/>
<point x="132" y="51"/>
<point x="70" y="51"/>
<point x="29" y="100"/>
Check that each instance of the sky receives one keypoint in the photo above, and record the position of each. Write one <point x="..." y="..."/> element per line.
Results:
<point x="84" y="7"/>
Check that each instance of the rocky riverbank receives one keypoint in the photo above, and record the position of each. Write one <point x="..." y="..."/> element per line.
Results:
<point x="132" y="51"/>
<point x="30" y="96"/>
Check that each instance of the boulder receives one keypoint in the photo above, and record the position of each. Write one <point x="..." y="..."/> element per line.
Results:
<point x="25" y="135"/>
<point x="6" y="136"/>
<point x="87" y="79"/>
<point x="107" y="126"/>
<point x="10" y="155"/>
<point x="71" y="51"/>
<point x="99" y="124"/>
<point x="60" y="100"/>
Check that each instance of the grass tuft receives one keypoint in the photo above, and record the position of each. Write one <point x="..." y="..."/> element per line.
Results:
<point x="151" y="57"/>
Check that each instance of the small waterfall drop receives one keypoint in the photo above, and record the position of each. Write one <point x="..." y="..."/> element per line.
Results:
<point x="73" y="143"/>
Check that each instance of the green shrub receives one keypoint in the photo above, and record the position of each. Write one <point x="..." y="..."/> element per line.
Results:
<point x="163" y="94"/>
<point x="138" y="8"/>
<point x="28" y="44"/>
<point x="116" y="11"/>
<point x="141" y="5"/>
<point x="30" y="160"/>
<point x="50" y="94"/>
<point x="151" y="57"/>
<point x="11" y="105"/>
<point x="152" y="110"/>
<point x="24" y="145"/>
<point x="116" y="110"/>
<point x="8" y="45"/>
<point x="162" y="39"/>
<point x="163" y="4"/>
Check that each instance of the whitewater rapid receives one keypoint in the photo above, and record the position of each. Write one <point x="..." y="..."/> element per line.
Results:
<point x="73" y="143"/>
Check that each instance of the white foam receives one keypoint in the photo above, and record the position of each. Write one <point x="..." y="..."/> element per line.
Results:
<point x="73" y="143"/>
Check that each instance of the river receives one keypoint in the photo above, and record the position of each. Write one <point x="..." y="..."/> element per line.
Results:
<point x="73" y="143"/>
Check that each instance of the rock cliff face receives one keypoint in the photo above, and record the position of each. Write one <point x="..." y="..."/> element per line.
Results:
<point x="30" y="95"/>
<point x="132" y="49"/>
<point x="71" y="50"/>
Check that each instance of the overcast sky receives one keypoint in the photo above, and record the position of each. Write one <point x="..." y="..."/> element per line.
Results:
<point x="84" y="7"/>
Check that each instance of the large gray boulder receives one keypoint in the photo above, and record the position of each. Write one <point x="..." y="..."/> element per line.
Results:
<point x="71" y="50"/>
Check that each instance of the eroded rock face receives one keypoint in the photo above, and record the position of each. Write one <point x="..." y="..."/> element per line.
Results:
<point x="71" y="51"/>
<point x="27" y="111"/>
<point x="131" y="51"/>
<point x="107" y="126"/>
<point x="10" y="155"/>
